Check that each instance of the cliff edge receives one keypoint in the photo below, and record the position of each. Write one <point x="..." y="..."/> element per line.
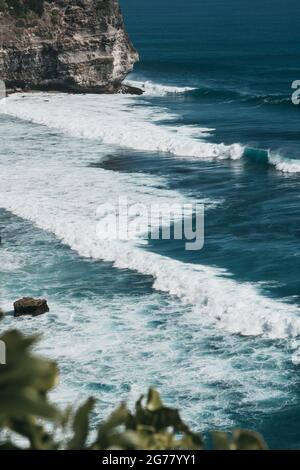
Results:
<point x="67" y="45"/>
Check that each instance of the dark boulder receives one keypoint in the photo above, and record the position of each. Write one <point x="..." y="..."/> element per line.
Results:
<point x="30" y="306"/>
<point x="130" y="90"/>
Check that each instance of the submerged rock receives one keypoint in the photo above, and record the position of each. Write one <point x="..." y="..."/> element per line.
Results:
<point x="130" y="90"/>
<point x="30" y="306"/>
<point x="66" y="45"/>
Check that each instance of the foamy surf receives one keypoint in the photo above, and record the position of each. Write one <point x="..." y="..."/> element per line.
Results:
<point x="183" y="325"/>
<point x="9" y="261"/>
<point x="283" y="164"/>
<point x="68" y="208"/>
<point x="128" y="122"/>
<point x="102" y="365"/>
<point x="117" y="120"/>
<point x="268" y="157"/>
<point x="155" y="89"/>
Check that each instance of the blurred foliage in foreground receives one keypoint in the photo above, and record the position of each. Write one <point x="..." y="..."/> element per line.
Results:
<point x="25" y="412"/>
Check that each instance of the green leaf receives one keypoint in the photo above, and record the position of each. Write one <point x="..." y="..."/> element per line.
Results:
<point x="153" y="401"/>
<point x="81" y="425"/>
<point x="248" y="440"/>
<point x="25" y="409"/>
<point x="220" y="440"/>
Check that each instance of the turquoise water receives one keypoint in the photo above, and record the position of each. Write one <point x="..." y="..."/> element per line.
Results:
<point x="216" y="331"/>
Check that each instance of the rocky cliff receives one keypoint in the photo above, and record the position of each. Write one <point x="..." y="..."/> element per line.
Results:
<point x="68" y="45"/>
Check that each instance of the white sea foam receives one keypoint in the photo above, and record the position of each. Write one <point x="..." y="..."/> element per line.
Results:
<point x="117" y="120"/>
<point x="175" y="357"/>
<point x="283" y="164"/>
<point x="53" y="188"/>
<point x="63" y="196"/>
<point x="9" y="261"/>
<point x="127" y="122"/>
<point x="63" y="199"/>
<point x="155" y="89"/>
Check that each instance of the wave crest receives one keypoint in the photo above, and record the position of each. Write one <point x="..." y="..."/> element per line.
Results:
<point x="118" y="120"/>
<point x="156" y="89"/>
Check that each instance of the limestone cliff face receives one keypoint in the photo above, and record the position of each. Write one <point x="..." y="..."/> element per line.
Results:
<point x="74" y="45"/>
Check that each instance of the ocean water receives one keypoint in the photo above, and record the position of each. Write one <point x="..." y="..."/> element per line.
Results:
<point x="216" y="331"/>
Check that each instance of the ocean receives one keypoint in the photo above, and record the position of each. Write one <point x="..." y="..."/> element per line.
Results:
<point x="216" y="331"/>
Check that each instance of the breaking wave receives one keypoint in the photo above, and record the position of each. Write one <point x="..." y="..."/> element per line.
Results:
<point x="268" y="157"/>
<point x="68" y="208"/>
<point x="204" y="92"/>
<point x="118" y="120"/>
<point x="156" y="89"/>
<point x="127" y="122"/>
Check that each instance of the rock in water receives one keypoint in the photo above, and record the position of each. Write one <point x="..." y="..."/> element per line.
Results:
<point x="30" y="306"/>
<point x="130" y="90"/>
<point x="67" y="45"/>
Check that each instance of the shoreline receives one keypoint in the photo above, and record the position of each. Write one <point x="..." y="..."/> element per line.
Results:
<point x="122" y="89"/>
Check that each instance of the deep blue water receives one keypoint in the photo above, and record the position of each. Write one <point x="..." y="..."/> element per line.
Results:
<point x="224" y="347"/>
<point x="241" y="58"/>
